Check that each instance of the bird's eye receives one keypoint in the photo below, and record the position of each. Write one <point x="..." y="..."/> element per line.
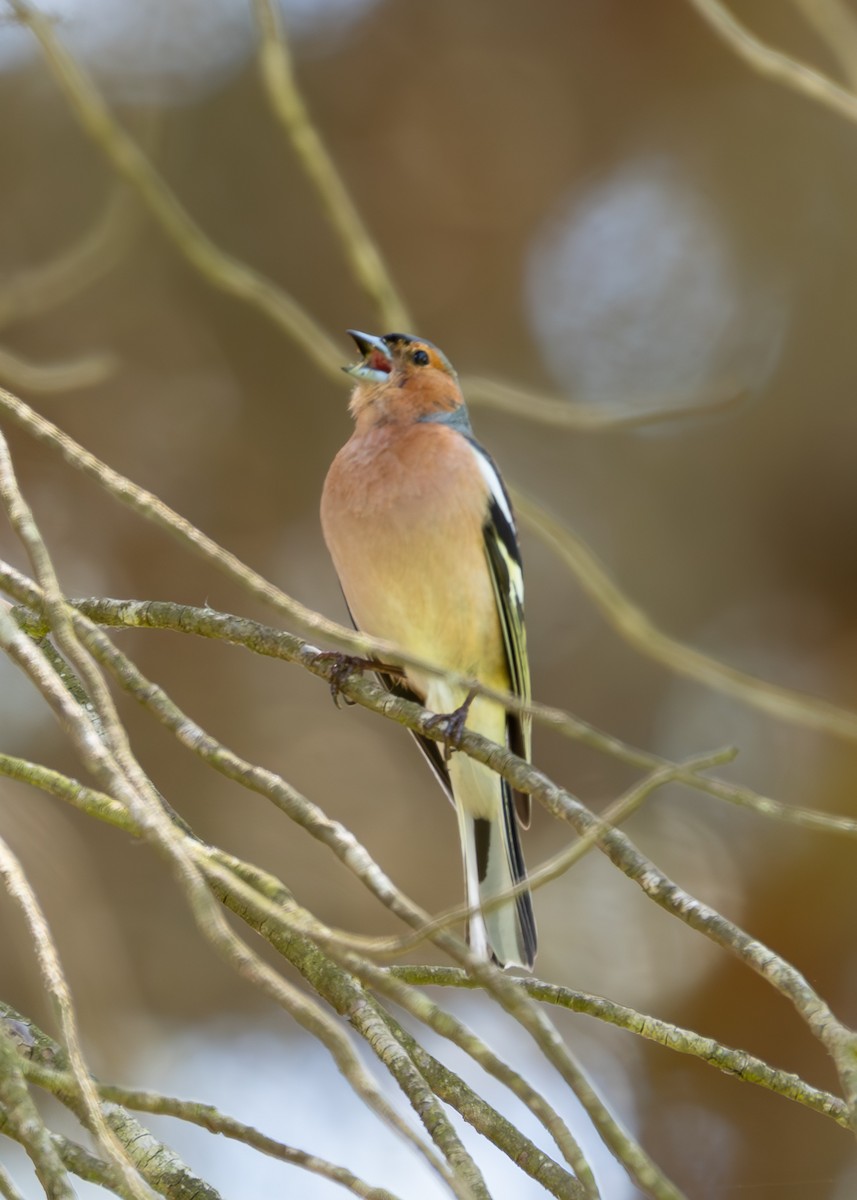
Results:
<point x="420" y="358"/>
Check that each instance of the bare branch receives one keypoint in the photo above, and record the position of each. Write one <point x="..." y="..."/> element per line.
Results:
<point x="209" y="1117"/>
<point x="773" y="64"/>
<point x="592" y="418"/>
<point x="73" y="1157"/>
<point x="111" y="761"/>
<point x="126" y="157"/>
<point x="836" y="25"/>
<point x="7" y="1188"/>
<point x="20" y="1118"/>
<point x="739" y="1063"/>
<point x="156" y="1163"/>
<point x="86" y="371"/>
<point x="39" y="289"/>
<point x="782" y="975"/>
<point x="290" y="109"/>
<point x="19" y="889"/>
<point x="630" y="621"/>
<point x="261" y="639"/>
<point x="635" y="627"/>
<point x="265" y="904"/>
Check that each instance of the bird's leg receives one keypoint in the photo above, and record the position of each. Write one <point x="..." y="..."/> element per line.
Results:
<point x="345" y="665"/>
<point x="453" y="724"/>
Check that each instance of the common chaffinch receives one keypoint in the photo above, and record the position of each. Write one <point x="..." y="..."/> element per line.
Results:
<point x="422" y="536"/>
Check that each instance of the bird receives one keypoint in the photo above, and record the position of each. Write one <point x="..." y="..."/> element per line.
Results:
<point x="422" y="535"/>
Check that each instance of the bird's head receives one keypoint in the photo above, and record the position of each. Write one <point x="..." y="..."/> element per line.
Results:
<point x="402" y="379"/>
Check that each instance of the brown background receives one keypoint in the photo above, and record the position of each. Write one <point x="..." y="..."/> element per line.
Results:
<point x="469" y="134"/>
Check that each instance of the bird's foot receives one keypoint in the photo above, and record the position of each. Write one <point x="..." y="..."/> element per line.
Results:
<point x="453" y="724"/>
<point x="345" y="665"/>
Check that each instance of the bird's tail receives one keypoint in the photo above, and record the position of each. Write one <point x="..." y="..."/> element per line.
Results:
<point x="493" y="863"/>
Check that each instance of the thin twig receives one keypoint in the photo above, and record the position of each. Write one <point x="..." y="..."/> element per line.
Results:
<point x="113" y="764"/>
<point x="634" y="626"/>
<point x="49" y="963"/>
<point x="149" y="506"/>
<point x="836" y="24"/>
<point x="126" y="157"/>
<point x="621" y="851"/>
<point x="290" y="109"/>
<point x="739" y="1063"/>
<point x="40" y="289"/>
<point x="7" y="1188"/>
<point x="261" y="639"/>
<point x="592" y="418"/>
<point x="85" y="371"/>
<point x="630" y="621"/>
<point x="23" y="1121"/>
<point x="47" y="1073"/>
<point x="615" y="815"/>
<point x="773" y="64"/>
<point x="636" y="1162"/>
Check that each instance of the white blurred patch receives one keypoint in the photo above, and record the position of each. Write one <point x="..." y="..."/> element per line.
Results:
<point x="285" y="1084"/>
<point x="24" y="715"/>
<point x="638" y="301"/>
<point x="169" y="51"/>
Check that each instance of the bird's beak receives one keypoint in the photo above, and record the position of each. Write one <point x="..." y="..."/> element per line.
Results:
<point x="377" y="358"/>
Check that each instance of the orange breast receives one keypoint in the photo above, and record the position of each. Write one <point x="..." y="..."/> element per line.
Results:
<point x="402" y="513"/>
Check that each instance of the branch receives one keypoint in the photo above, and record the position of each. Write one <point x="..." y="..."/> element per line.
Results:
<point x="773" y="64"/>
<point x="619" y="849"/>
<point x="20" y="891"/>
<point x="290" y="109"/>
<point x="739" y="1063"/>
<point x="782" y="975"/>
<point x="112" y="763"/>
<point x="47" y="1069"/>
<point x="40" y="289"/>
<point x="594" y="418"/>
<point x="629" y="620"/>
<point x="635" y="627"/>
<point x="86" y="371"/>
<point x="20" y="1119"/>
<point x="262" y="639"/>
<point x="159" y="1165"/>
<point x="7" y="1187"/>
<point x="260" y="910"/>
<point x="836" y="24"/>
<point x="74" y="1158"/>
<point x="126" y="157"/>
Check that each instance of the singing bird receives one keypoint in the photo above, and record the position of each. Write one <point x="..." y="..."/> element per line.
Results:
<point x="422" y="536"/>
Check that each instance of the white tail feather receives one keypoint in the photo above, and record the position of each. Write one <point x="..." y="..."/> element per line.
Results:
<point x="492" y="865"/>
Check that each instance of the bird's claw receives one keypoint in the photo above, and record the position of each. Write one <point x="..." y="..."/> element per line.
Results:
<point x="345" y="665"/>
<point x="452" y="725"/>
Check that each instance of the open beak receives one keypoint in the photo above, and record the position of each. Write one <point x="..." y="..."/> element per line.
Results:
<point x="377" y="358"/>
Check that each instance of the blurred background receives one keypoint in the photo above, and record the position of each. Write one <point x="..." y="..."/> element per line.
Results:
<point x="592" y="199"/>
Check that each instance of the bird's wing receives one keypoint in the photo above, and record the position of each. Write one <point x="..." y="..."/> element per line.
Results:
<point x="432" y="751"/>
<point x="507" y="577"/>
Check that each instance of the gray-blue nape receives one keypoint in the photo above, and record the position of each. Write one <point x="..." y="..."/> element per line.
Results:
<point x="457" y="419"/>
